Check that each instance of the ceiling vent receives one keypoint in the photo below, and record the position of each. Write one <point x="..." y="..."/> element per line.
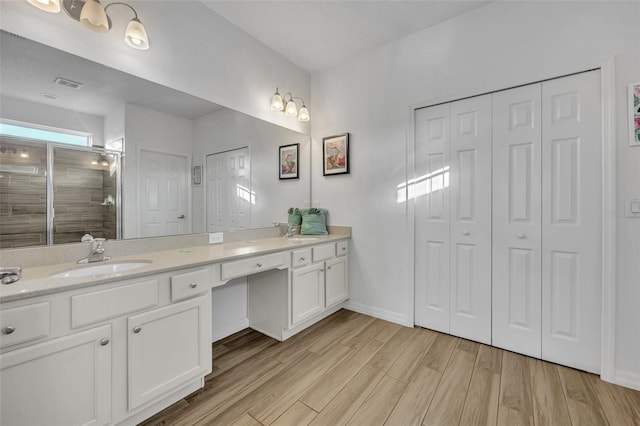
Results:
<point x="67" y="83"/>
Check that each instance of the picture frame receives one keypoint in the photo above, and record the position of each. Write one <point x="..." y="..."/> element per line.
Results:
<point x="335" y="155"/>
<point x="634" y="114"/>
<point x="196" y="175"/>
<point x="289" y="161"/>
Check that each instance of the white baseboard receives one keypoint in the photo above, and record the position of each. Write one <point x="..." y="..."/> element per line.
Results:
<point x="627" y="379"/>
<point x="382" y="314"/>
<point x="229" y="329"/>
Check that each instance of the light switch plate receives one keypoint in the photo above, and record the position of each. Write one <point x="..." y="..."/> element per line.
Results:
<point x="216" y="237"/>
<point x="632" y="207"/>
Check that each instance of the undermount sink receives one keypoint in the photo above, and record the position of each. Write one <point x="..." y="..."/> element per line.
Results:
<point x="101" y="269"/>
<point x="305" y="238"/>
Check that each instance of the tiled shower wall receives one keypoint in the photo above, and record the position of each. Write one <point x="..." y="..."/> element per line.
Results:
<point x="80" y="191"/>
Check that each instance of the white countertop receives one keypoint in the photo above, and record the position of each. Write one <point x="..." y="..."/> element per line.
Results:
<point x="37" y="281"/>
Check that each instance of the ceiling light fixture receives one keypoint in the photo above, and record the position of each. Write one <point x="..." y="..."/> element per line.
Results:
<point x="289" y="107"/>
<point x="93" y="16"/>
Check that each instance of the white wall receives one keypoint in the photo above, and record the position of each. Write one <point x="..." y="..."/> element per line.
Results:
<point x="192" y="49"/>
<point x="32" y="112"/>
<point x="496" y="46"/>
<point x="145" y="129"/>
<point x="226" y="130"/>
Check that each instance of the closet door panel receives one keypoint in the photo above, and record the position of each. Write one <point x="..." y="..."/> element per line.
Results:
<point x="516" y="220"/>
<point x="571" y="221"/>
<point x="431" y="192"/>
<point x="470" y="155"/>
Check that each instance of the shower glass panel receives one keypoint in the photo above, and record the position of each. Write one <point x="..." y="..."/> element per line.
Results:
<point x="84" y="194"/>
<point x="81" y="197"/>
<point x="23" y="193"/>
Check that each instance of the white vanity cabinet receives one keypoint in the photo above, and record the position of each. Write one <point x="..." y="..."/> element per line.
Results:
<point x="114" y="353"/>
<point x="283" y="303"/>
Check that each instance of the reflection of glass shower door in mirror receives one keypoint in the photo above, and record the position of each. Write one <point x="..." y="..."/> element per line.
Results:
<point x="163" y="194"/>
<point x="229" y="195"/>
<point x="23" y="193"/>
<point x="84" y="194"/>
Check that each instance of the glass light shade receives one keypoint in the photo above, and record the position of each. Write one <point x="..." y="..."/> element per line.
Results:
<point x="303" y="114"/>
<point x="276" y="102"/>
<point x="291" y="109"/>
<point x="94" y="17"/>
<point x="136" y="36"/>
<point x="52" y="6"/>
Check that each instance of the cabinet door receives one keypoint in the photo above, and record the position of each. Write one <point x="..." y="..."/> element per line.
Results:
<point x="431" y="193"/>
<point x="516" y="225"/>
<point x="65" y="381"/>
<point x="336" y="283"/>
<point x="572" y="221"/>
<point x="167" y="347"/>
<point x="307" y="292"/>
<point x="471" y="219"/>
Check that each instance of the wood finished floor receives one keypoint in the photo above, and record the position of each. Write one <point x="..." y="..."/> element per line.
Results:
<point x="357" y="370"/>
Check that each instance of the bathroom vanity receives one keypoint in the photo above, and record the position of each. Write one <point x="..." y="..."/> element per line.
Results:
<point x="81" y="347"/>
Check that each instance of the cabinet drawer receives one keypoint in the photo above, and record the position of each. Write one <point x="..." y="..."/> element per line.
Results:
<point x="24" y="323"/>
<point x="190" y="284"/>
<point x="300" y="258"/>
<point x="323" y="252"/>
<point x="254" y="265"/>
<point x="342" y="248"/>
<point x="101" y="305"/>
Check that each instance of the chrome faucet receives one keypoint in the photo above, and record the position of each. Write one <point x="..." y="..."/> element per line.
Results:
<point x="96" y="251"/>
<point x="291" y="231"/>
<point x="10" y="275"/>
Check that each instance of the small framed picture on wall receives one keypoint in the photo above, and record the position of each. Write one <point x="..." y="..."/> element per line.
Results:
<point x="289" y="158"/>
<point x="634" y="114"/>
<point x="335" y="155"/>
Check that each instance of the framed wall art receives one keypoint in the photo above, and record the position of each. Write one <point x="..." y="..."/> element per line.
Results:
<point x="335" y="155"/>
<point x="634" y="114"/>
<point x="289" y="159"/>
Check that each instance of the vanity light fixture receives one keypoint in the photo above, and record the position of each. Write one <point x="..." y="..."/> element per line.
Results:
<point x="289" y="107"/>
<point x="93" y="16"/>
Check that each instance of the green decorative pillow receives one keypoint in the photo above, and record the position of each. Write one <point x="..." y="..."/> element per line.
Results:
<point x="295" y="216"/>
<point x="314" y="222"/>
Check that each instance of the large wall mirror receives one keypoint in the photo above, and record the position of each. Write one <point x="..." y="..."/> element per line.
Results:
<point x="88" y="149"/>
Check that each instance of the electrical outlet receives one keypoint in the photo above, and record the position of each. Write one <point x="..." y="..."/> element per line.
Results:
<point x="632" y="207"/>
<point x="216" y="237"/>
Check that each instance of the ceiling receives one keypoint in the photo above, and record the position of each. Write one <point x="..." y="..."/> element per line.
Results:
<point x="28" y="70"/>
<point x="320" y="34"/>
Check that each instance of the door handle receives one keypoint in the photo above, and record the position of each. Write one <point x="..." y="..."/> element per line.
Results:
<point x="181" y="216"/>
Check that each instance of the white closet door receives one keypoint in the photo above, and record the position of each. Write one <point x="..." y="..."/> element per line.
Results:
<point x="571" y="221"/>
<point x="471" y="219"/>
<point x="431" y="192"/>
<point x="516" y="214"/>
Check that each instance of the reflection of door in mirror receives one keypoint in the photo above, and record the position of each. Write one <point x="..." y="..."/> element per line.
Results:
<point x="163" y="194"/>
<point x="229" y="195"/>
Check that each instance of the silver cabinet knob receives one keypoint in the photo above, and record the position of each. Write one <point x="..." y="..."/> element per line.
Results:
<point x="137" y="329"/>
<point x="8" y="329"/>
<point x="259" y="265"/>
<point x="104" y="342"/>
<point x="328" y="267"/>
<point x="344" y="249"/>
<point x="521" y="236"/>
<point x="302" y="259"/>
<point x="193" y="285"/>
<point x="181" y="216"/>
<point x="466" y="233"/>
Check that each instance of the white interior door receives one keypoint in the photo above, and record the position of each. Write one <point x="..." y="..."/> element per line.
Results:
<point x="516" y="215"/>
<point x="571" y="221"/>
<point x="431" y="192"/>
<point x="470" y="192"/>
<point x="229" y="195"/>
<point x="163" y="194"/>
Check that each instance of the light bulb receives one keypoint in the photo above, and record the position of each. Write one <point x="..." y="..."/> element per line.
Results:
<point x="94" y="17"/>
<point x="24" y="154"/>
<point x="291" y="109"/>
<point x="303" y="114"/>
<point x="276" y="102"/>
<point x="52" y="6"/>
<point x="136" y="36"/>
